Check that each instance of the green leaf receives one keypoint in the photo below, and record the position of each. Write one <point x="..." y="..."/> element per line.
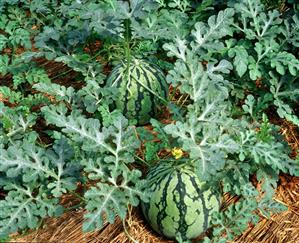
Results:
<point x="111" y="149"/>
<point x="240" y="59"/>
<point x="177" y="49"/>
<point x="255" y="22"/>
<point x="22" y="209"/>
<point x="4" y="61"/>
<point x="254" y="69"/>
<point x="249" y="104"/>
<point x="61" y="93"/>
<point x="290" y="31"/>
<point x="285" y="61"/>
<point x="14" y="122"/>
<point x="106" y="201"/>
<point x="194" y="80"/>
<point x="209" y="151"/>
<point x="235" y="219"/>
<point x="12" y="96"/>
<point x="34" y="164"/>
<point x="20" y="37"/>
<point x="37" y="75"/>
<point x="285" y="111"/>
<point x="3" y="42"/>
<point x="18" y="79"/>
<point x="207" y="35"/>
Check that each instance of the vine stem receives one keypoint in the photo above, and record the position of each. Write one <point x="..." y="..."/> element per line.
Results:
<point x="142" y="160"/>
<point x="83" y="200"/>
<point x="127" y="232"/>
<point x="127" y="48"/>
<point x="127" y="39"/>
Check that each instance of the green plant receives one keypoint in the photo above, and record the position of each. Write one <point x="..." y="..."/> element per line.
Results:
<point x="222" y="147"/>
<point x="33" y="172"/>
<point x="264" y="56"/>
<point x="230" y="69"/>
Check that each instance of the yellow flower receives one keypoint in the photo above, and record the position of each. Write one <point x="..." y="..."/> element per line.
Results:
<point x="177" y="153"/>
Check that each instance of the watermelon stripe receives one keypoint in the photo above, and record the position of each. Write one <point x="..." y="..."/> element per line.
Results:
<point x="131" y="87"/>
<point x="162" y="213"/>
<point x="138" y="92"/>
<point x="163" y="84"/>
<point x="181" y="204"/>
<point x="160" y="81"/>
<point x="205" y="212"/>
<point x="116" y="76"/>
<point x="148" y="84"/>
<point x="139" y="97"/>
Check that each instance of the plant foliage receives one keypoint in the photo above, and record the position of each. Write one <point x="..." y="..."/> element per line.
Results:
<point x="228" y="65"/>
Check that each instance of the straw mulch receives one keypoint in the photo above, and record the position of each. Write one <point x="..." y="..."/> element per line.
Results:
<point x="283" y="227"/>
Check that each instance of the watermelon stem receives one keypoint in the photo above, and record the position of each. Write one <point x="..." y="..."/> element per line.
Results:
<point x="127" y="47"/>
<point x="127" y="233"/>
<point x="142" y="160"/>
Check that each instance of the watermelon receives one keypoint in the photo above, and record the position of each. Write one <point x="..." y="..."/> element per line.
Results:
<point x="179" y="208"/>
<point x="142" y="88"/>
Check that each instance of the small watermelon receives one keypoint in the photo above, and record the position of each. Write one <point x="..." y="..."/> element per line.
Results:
<point x="142" y="87"/>
<point x="178" y="207"/>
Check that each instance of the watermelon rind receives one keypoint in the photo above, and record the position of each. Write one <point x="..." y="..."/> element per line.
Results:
<point x="142" y="88"/>
<point x="178" y="208"/>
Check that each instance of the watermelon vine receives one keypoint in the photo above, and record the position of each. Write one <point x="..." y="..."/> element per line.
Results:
<point x="182" y="89"/>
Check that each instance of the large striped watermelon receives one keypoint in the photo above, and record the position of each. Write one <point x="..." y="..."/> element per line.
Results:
<point x="142" y="87"/>
<point x="178" y="207"/>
